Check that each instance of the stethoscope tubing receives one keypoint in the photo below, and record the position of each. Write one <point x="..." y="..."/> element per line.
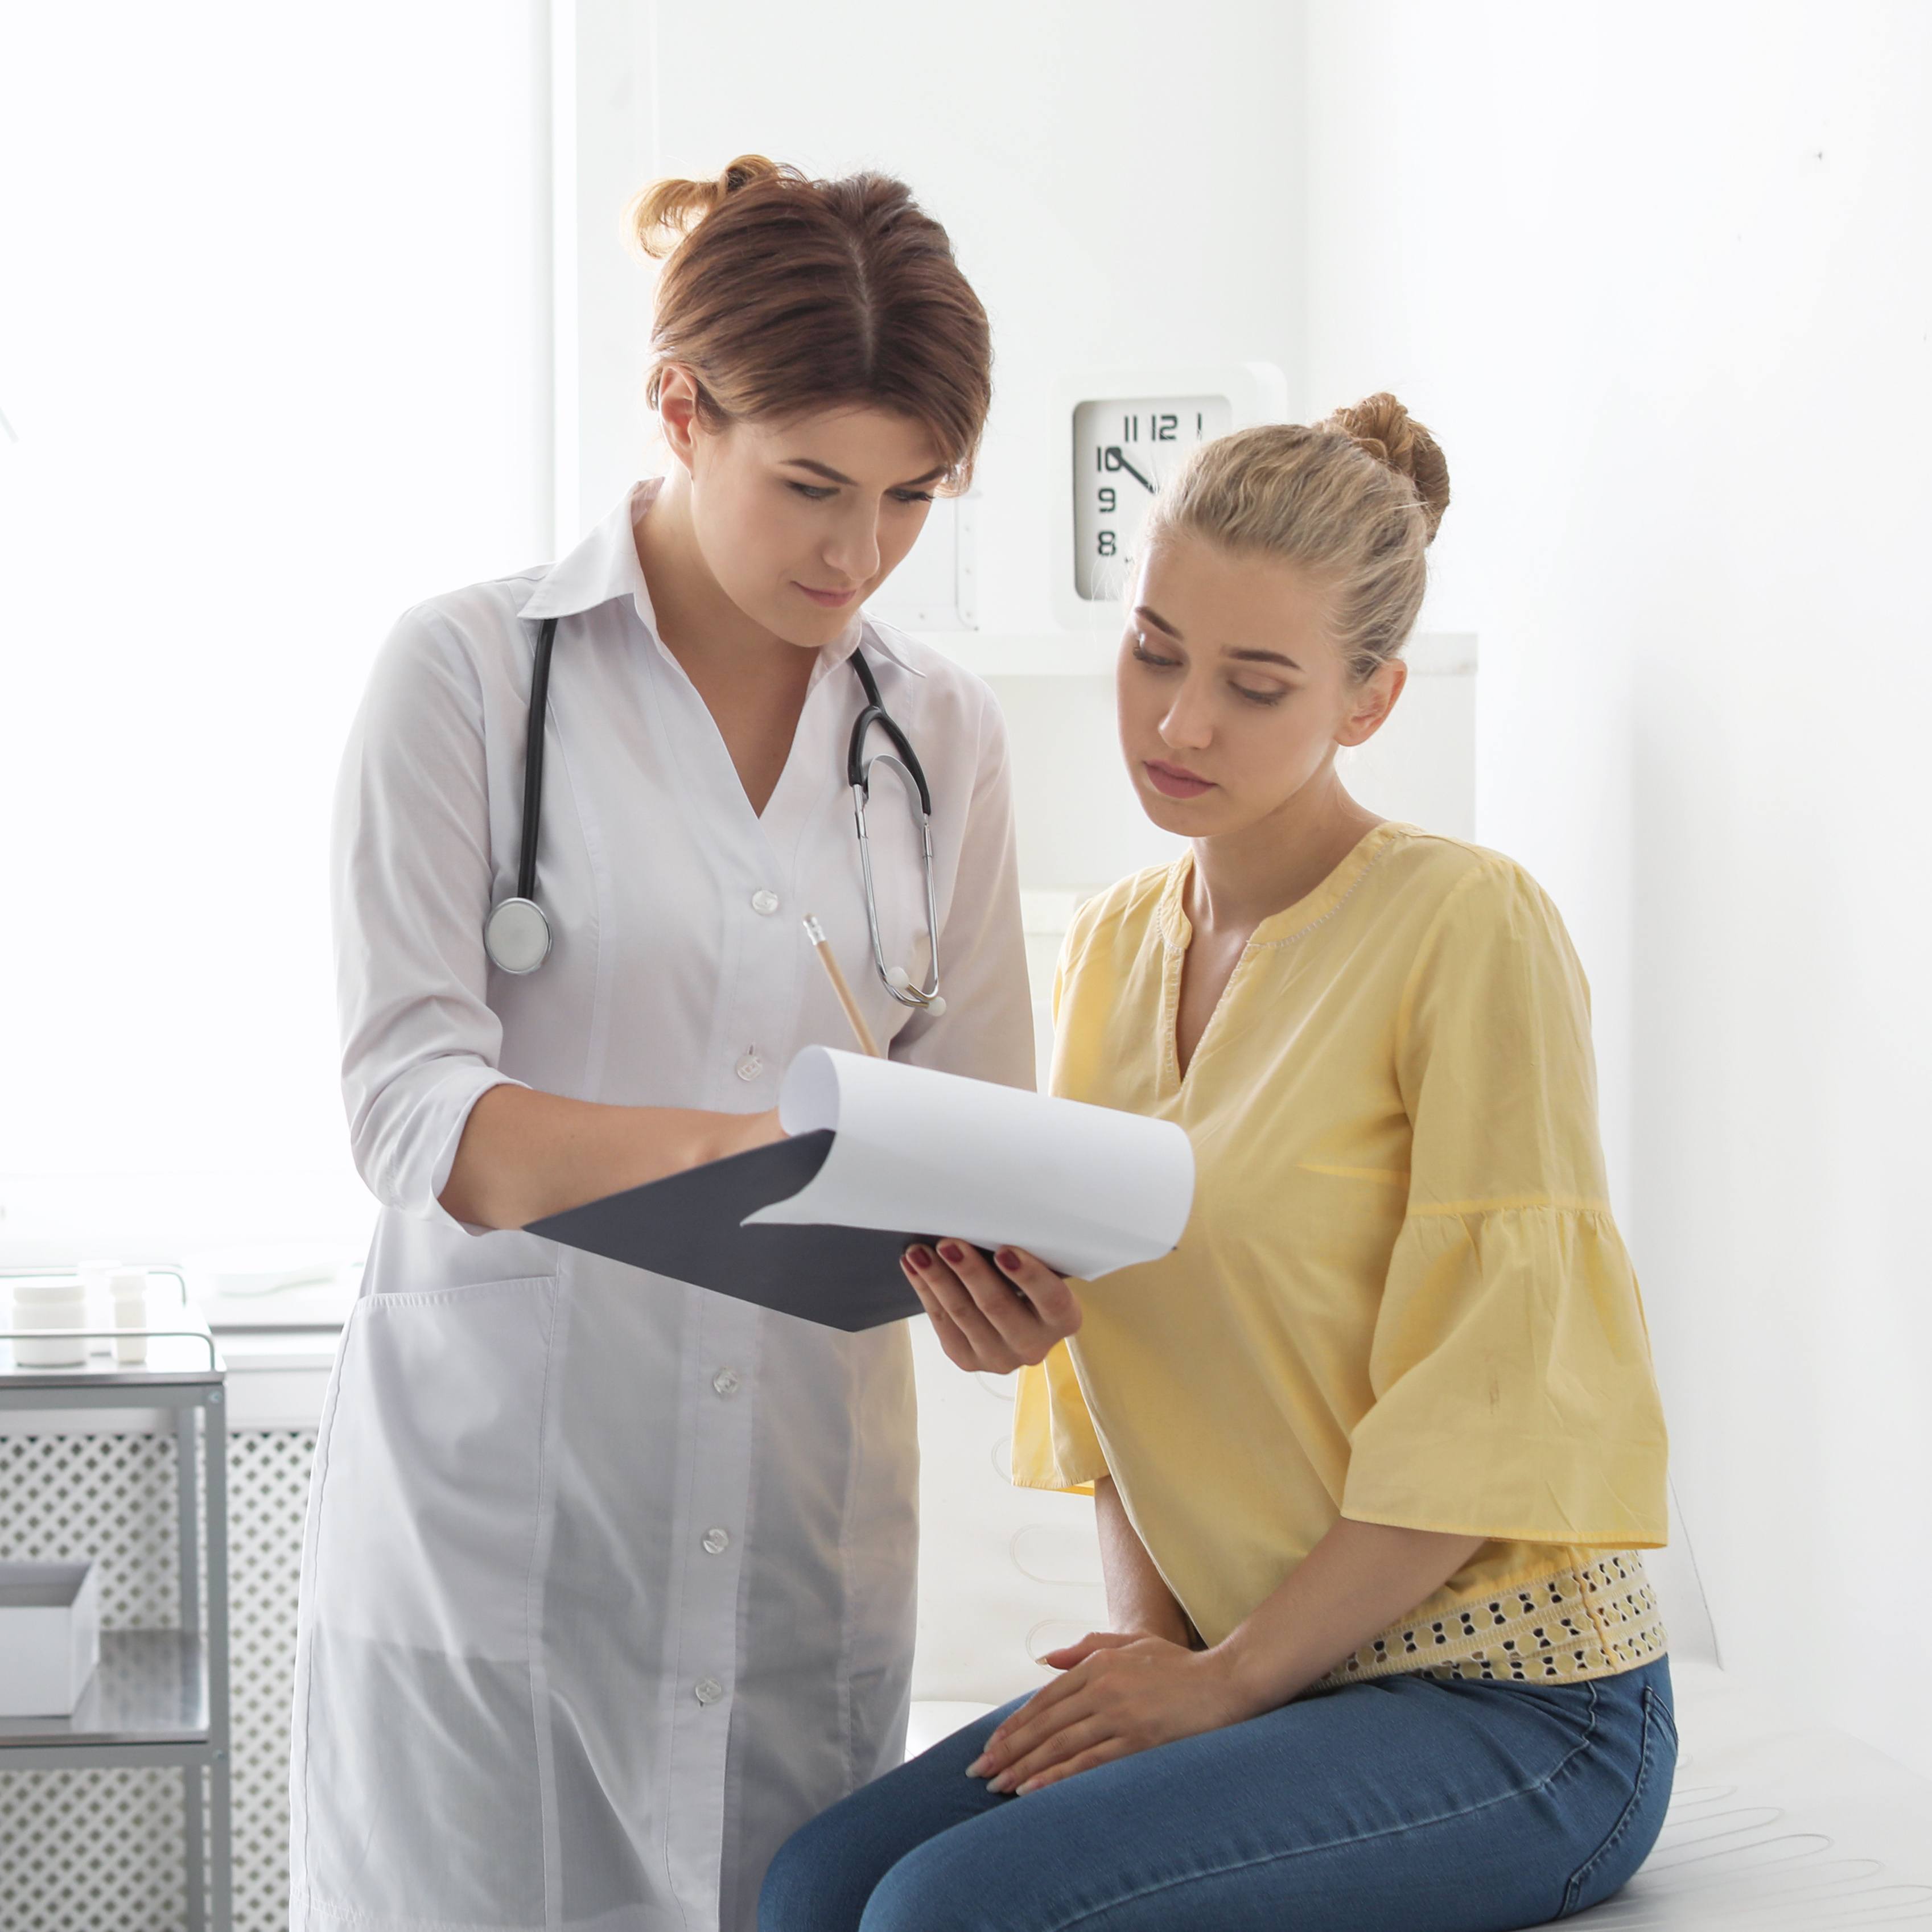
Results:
<point x="907" y="995"/>
<point x="858" y="774"/>
<point x="516" y="933"/>
<point x="533" y="760"/>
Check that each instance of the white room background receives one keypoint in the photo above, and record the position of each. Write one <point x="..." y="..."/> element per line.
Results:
<point x="273" y="351"/>
<point x="278" y="345"/>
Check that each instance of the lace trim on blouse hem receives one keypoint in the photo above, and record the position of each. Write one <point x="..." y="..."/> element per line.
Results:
<point x="1595" y="1622"/>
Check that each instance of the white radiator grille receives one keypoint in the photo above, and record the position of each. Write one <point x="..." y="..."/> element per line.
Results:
<point x="100" y="1851"/>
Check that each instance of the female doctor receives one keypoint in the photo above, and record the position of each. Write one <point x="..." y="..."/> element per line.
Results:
<point x="608" y="1582"/>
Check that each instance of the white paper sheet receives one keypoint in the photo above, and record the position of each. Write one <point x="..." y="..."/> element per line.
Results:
<point x="1086" y="1188"/>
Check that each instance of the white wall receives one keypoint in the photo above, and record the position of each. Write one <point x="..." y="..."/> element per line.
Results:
<point x="271" y="348"/>
<point x="1118" y="191"/>
<point x="1658" y="276"/>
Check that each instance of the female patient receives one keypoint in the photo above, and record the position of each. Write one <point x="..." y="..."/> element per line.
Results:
<point x="1373" y="1451"/>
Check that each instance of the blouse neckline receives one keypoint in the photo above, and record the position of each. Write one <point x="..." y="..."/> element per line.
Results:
<point x="1294" y="921"/>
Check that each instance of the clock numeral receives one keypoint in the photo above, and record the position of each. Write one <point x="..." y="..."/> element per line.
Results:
<point x="1105" y="544"/>
<point x="1163" y="429"/>
<point x="1109" y="499"/>
<point x="1111" y="458"/>
<point x="1130" y="429"/>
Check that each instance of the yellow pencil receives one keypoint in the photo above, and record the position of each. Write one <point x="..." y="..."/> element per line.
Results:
<point x="829" y="960"/>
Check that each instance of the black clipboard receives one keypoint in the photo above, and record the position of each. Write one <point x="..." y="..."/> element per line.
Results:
<point x="687" y="1226"/>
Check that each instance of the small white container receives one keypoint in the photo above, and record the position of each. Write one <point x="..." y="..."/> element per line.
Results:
<point x="127" y="1289"/>
<point x="50" y="1637"/>
<point x="94" y="1275"/>
<point x="50" y="1304"/>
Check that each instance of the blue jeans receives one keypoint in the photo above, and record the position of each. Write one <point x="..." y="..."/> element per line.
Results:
<point x="1407" y="1804"/>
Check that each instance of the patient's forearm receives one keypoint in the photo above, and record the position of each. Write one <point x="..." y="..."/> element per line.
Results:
<point x="1359" y="1579"/>
<point x="525" y="1154"/>
<point x="1138" y="1598"/>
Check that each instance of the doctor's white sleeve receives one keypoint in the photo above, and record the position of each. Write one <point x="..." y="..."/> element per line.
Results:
<point x="986" y="1031"/>
<point x="410" y="885"/>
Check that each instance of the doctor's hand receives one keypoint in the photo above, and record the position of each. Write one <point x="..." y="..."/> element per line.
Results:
<point x="991" y="1318"/>
<point x="738" y="1133"/>
<point x="1119" y="1693"/>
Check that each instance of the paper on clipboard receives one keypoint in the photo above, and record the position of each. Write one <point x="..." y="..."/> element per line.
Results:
<point x="1088" y="1189"/>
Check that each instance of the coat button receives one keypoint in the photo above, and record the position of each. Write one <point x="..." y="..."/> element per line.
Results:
<point x="707" y="1689"/>
<point x="726" y="1381"/>
<point x="764" y="900"/>
<point x="750" y="1067"/>
<point x="716" y="1542"/>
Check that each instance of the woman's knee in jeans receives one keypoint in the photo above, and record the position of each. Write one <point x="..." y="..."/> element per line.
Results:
<point x="927" y="1891"/>
<point x="803" y="1892"/>
<point x="811" y="1887"/>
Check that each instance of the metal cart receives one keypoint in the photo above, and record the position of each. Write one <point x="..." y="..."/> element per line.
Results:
<point x="160" y="1696"/>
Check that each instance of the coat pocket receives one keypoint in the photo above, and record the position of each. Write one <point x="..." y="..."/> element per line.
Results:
<point x="429" y="1491"/>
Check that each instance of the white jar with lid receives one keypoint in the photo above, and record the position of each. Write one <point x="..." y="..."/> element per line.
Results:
<point x="50" y="1304"/>
<point x="127" y="1289"/>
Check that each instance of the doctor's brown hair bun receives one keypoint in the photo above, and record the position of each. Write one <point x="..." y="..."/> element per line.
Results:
<point x="661" y="215"/>
<point x="1380" y="424"/>
<point x="1355" y="500"/>
<point x="784" y="295"/>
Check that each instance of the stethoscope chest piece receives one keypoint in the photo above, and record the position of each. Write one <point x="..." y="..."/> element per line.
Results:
<point x="517" y="935"/>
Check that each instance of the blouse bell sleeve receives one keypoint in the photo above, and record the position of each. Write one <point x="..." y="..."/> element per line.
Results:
<point x="410" y="888"/>
<point x="1510" y="1366"/>
<point x="1055" y="1446"/>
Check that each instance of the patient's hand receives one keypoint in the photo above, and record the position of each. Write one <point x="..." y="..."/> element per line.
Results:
<point x="988" y="1317"/>
<point x="1119" y="1693"/>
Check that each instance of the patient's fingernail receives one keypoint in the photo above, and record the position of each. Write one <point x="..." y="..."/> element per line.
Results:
<point x="978" y="1768"/>
<point x="920" y="1257"/>
<point x="1008" y="1258"/>
<point x="951" y="1251"/>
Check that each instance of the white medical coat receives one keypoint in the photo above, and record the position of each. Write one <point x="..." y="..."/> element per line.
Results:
<point x="608" y="1582"/>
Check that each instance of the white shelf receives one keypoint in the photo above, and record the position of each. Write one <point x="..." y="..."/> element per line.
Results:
<point x="150" y="1687"/>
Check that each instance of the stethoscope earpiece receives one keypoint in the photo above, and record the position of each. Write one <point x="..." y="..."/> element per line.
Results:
<point x="899" y="981"/>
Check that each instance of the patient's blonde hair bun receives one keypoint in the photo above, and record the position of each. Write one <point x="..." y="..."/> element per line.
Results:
<point x="662" y="215"/>
<point x="1380" y="424"/>
<point x="1355" y="498"/>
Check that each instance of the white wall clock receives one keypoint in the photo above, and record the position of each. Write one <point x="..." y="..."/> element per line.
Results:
<point x="1125" y="431"/>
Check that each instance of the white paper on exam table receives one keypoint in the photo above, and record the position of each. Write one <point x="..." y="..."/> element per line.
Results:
<point x="1088" y="1189"/>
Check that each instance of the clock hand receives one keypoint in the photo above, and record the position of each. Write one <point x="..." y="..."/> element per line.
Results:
<point x="1118" y="461"/>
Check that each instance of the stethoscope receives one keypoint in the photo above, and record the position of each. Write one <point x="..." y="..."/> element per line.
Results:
<point x="517" y="935"/>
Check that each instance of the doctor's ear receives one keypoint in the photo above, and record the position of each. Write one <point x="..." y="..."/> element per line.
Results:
<point x="1371" y="702"/>
<point x="680" y="406"/>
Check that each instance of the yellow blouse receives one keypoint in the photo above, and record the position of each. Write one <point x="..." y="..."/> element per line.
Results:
<point x="1401" y="1296"/>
